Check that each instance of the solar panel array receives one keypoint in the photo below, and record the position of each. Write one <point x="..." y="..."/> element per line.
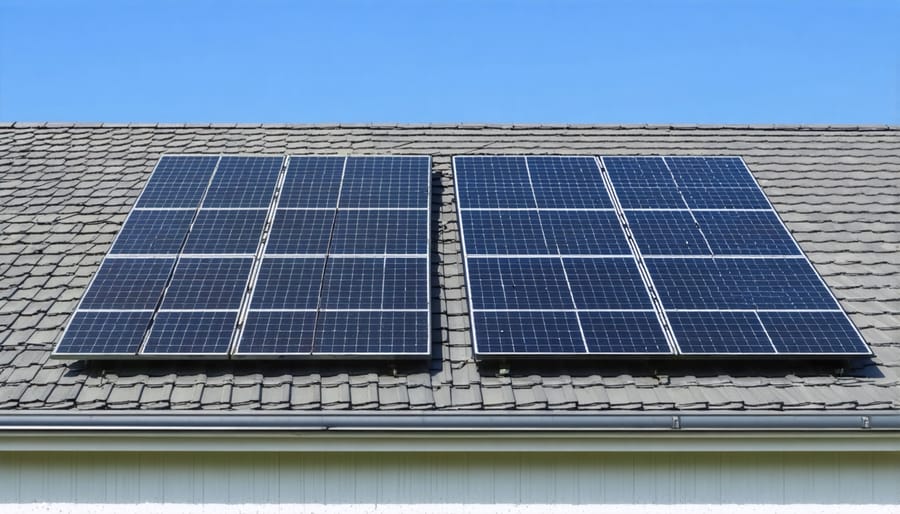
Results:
<point x="244" y="256"/>
<point x="637" y="256"/>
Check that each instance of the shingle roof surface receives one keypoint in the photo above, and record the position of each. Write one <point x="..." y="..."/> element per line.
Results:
<point x="65" y="190"/>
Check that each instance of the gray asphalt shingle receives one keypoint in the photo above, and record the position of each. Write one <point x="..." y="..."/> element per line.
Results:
<point x="65" y="190"/>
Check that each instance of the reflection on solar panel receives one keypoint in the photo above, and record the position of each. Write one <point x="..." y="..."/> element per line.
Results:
<point x="637" y="255"/>
<point x="548" y="262"/>
<point x="243" y="256"/>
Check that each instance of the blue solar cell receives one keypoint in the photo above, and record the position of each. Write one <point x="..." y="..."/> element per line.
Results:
<point x="667" y="233"/>
<point x="649" y="198"/>
<point x="584" y="232"/>
<point x="503" y="233"/>
<point x="374" y="232"/>
<point x="719" y="333"/>
<point x="386" y="182"/>
<point x="568" y="182"/>
<point x="724" y="198"/>
<point x="375" y="283"/>
<point x="288" y="283"/>
<point x="208" y="283"/>
<point x="226" y="231"/>
<point x="372" y="332"/>
<point x="746" y="233"/>
<point x="153" y="232"/>
<point x="493" y="182"/>
<point x="518" y="283"/>
<point x="279" y="332"/>
<point x="639" y="172"/>
<point x="244" y="182"/>
<point x="607" y="283"/>
<point x="623" y="332"/>
<point x="704" y="283"/>
<point x="300" y="231"/>
<point x="710" y="172"/>
<point x="312" y="182"/>
<point x="527" y="332"/>
<point x="813" y="332"/>
<point x="186" y="333"/>
<point x="178" y="182"/>
<point x="108" y="332"/>
<point x="125" y="284"/>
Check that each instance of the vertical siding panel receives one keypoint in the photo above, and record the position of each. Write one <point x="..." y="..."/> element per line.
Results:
<point x="617" y="478"/>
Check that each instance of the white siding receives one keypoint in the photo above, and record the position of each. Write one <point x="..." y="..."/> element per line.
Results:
<point x="450" y="478"/>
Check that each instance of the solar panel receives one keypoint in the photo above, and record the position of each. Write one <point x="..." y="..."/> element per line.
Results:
<point x="730" y="278"/>
<point x="178" y="182"/>
<point x="346" y="270"/>
<point x="191" y="333"/>
<point x="545" y="252"/>
<point x="565" y="257"/>
<point x="208" y="283"/>
<point x="153" y="232"/>
<point x="244" y="256"/>
<point x="243" y="182"/>
<point x="226" y="232"/>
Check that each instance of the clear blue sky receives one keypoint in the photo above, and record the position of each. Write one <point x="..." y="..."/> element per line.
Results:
<point x="688" y="61"/>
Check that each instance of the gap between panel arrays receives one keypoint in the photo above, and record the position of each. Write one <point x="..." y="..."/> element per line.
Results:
<point x="187" y="262"/>
<point x="648" y="256"/>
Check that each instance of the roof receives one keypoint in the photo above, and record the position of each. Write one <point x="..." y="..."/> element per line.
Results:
<point x="65" y="190"/>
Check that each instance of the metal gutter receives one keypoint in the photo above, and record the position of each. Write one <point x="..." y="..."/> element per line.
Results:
<point x="448" y="432"/>
<point x="512" y="421"/>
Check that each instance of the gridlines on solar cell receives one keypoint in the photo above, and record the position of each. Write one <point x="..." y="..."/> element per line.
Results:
<point x="724" y="198"/>
<point x="380" y="232"/>
<point x="503" y="233"/>
<point x="312" y="182"/>
<point x="710" y="172"/>
<point x="371" y="332"/>
<point x="128" y="284"/>
<point x="492" y="182"/>
<point x="584" y="233"/>
<point x="813" y="332"/>
<point x="607" y="283"/>
<point x="568" y="182"/>
<point x="191" y="333"/>
<point x="518" y="283"/>
<point x="538" y="332"/>
<point x="153" y="232"/>
<point x="288" y="283"/>
<point x="375" y="283"/>
<point x="667" y="233"/>
<point x="106" y="332"/>
<point x="623" y="332"/>
<point x="301" y="231"/>
<point x="208" y="283"/>
<point x="746" y="233"/>
<point x="178" y="182"/>
<point x="649" y="198"/>
<point x="243" y="182"/>
<point x="719" y="332"/>
<point x="386" y="182"/>
<point x="278" y="332"/>
<point x="226" y="231"/>
<point x="738" y="283"/>
<point x="639" y="172"/>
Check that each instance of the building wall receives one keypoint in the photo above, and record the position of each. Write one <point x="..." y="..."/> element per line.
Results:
<point x="449" y="478"/>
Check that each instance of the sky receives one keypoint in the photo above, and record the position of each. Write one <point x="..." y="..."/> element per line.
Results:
<point x="490" y="61"/>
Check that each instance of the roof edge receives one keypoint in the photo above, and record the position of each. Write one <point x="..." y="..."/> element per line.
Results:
<point x="458" y="126"/>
